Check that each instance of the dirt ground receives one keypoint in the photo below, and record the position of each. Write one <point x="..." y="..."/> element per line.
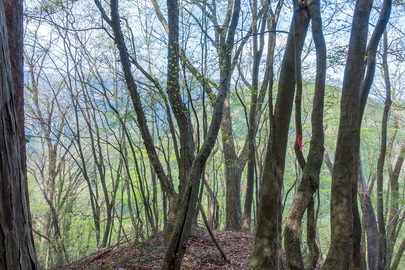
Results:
<point x="201" y="253"/>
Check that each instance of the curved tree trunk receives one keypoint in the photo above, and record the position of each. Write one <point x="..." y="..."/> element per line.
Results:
<point x="364" y="91"/>
<point x="398" y="256"/>
<point x="310" y="179"/>
<point x="188" y="203"/>
<point x="257" y="96"/>
<point x="268" y="235"/>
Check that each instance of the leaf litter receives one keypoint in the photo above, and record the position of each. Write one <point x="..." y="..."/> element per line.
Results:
<point x="201" y="253"/>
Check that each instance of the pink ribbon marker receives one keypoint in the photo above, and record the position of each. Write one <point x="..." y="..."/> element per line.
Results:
<point x="299" y="141"/>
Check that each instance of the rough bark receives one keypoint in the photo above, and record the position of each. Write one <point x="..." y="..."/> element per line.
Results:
<point x="14" y="21"/>
<point x="364" y="91"/>
<point x="310" y="179"/>
<point x="233" y="172"/>
<point x="375" y="257"/>
<point x="16" y="241"/>
<point x="340" y="252"/>
<point x="268" y="235"/>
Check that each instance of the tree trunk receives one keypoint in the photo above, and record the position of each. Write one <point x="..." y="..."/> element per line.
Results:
<point x="310" y="179"/>
<point x="340" y="252"/>
<point x="14" y="21"/>
<point x="167" y="185"/>
<point x="313" y="249"/>
<point x="177" y="245"/>
<point x="16" y="240"/>
<point x="356" y="253"/>
<point x="233" y="172"/>
<point x="257" y="96"/>
<point x="268" y="235"/>
<point x="180" y="111"/>
<point x="394" y="212"/>
<point x="364" y="91"/>
<point x="375" y="259"/>
<point x="398" y="256"/>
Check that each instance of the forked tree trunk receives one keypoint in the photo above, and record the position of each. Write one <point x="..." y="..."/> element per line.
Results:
<point x="268" y="235"/>
<point x="364" y="91"/>
<point x="375" y="258"/>
<point x="310" y="178"/>
<point x="16" y="241"/>
<point x="340" y="252"/>
<point x="188" y="203"/>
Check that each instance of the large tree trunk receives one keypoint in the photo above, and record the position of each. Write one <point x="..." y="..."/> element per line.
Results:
<point x="364" y="91"/>
<point x="268" y="235"/>
<point x="14" y="21"/>
<point x="16" y="241"/>
<point x="340" y="252"/>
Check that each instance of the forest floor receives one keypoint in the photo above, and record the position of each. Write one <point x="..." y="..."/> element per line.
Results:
<point x="201" y="253"/>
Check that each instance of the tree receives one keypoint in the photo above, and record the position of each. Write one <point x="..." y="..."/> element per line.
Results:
<point x="269" y="18"/>
<point x="266" y="253"/>
<point x="138" y="124"/>
<point x="16" y="241"/>
<point x="345" y="220"/>
<point x="126" y="63"/>
<point x="188" y="204"/>
<point x="234" y="163"/>
<point x="183" y="206"/>
<point x="311" y="169"/>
